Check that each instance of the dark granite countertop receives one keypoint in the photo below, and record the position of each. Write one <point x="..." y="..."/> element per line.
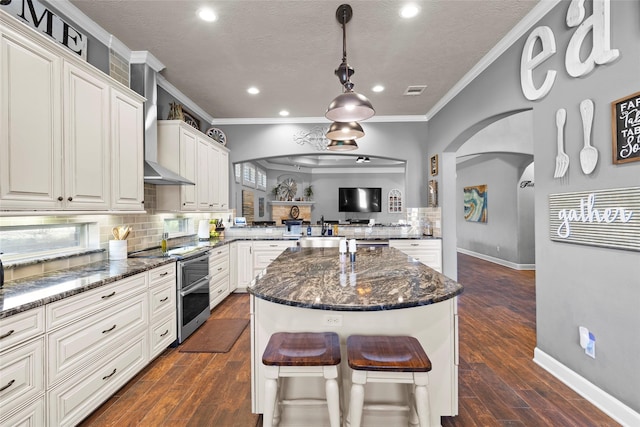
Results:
<point x="24" y="294"/>
<point x="382" y="278"/>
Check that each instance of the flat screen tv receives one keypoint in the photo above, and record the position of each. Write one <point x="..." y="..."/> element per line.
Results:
<point x="359" y="199"/>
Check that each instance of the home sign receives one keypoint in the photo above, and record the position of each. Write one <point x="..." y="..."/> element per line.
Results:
<point x="606" y="218"/>
<point x="38" y="16"/>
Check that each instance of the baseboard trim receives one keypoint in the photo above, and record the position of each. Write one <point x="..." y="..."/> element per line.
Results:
<point x="599" y="398"/>
<point x="499" y="261"/>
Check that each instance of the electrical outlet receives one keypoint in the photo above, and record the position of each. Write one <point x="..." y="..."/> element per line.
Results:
<point x="498" y="248"/>
<point x="332" y="320"/>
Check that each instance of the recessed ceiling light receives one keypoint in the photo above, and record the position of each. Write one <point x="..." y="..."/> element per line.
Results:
<point x="409" y="11"/>
<point x="284" y="113"/>
<point x="207" y="14"/>
<point x="378" y="88"/>
<point x="253" y="90"/>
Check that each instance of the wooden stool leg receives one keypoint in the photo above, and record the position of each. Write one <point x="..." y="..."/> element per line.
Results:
<point x="358" y="380"/>
<point x="270" y="395"/>
<point x="422" y="399"/>
<point x="333" y="395"/>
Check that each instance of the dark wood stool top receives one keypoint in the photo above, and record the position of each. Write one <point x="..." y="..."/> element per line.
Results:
<point x="387" y="353"/>
<point x="302" y="349"/>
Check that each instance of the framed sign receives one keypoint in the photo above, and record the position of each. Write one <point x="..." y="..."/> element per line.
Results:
<point x="434" y="165"/>
<point x="433" y="193"/>
<point x="625" y="129"/>
<point x="605" y="218"/>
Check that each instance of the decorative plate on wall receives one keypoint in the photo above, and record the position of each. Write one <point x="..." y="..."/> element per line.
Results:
<point x="294" y="212"/>
<point x="217" y="134"/>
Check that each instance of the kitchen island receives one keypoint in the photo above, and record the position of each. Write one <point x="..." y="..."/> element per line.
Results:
<point x="383" y="292"/>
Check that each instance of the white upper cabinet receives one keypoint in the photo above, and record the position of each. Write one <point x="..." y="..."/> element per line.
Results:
<point x="30" y="124"/>
<point x="70" y="136"/>
<point x="193" y="155"/>
<point x="127" y="154"/>
<point x="86" y="137"/>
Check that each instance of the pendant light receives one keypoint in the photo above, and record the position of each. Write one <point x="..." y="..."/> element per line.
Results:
<point x="350" y="106"/>
<point x="345" y="131"/>
<point x="348" y="145"/>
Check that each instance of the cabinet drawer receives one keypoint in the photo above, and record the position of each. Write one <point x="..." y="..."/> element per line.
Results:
<point x="218" y="293"/>
<point x="81" y="394"/>
<point x="162" y="297"/>
<point x="219" y="253"/>
<point x="163" y="333"/>
<point x="67" y="310"/>
<point x="160" y="274"/>
<point x="31" y="415"/>
<point x="274" y="245"/>
<point x="76" y="345"/>
<point x="21" y="374"/>
<point x="219" y="268"/>
<point x="21" y="327"/>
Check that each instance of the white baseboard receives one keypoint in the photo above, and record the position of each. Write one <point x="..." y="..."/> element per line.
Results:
<point x="599" y="398"/>
<point x="497" y="260"/>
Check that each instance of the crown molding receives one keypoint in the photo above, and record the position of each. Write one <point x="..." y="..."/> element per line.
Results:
<point x="146" y="57"/>
<point x="176" y="93"/>
<point x="323" y="120"/>
<point x="537" y="13"/>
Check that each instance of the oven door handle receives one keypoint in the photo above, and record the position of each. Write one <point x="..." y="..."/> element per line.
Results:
<point x="199" y="284"/>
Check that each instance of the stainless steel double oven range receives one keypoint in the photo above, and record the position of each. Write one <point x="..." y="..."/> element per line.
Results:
<point x="192" y="285"/>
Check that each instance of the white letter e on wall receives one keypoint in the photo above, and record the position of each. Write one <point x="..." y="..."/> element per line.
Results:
<point x="528" y="62"/>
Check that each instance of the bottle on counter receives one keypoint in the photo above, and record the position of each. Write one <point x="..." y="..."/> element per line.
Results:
<point x="352" y="250"/>
<point x="163" y="244"/>
<point x="342" y="248"/>
<point x="335" y="229"/>
<point x="308" y="230"/>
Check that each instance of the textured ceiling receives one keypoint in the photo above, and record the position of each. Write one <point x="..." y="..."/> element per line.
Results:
<point x="289" y="49"/>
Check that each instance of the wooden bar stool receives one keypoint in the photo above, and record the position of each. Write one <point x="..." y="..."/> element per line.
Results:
<point x="389" y="359"/>
<point x="302" y="354"/>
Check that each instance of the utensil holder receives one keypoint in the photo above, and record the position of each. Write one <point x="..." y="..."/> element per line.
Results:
<point x="117" y="249"/>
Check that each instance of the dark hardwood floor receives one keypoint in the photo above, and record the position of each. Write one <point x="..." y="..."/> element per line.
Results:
<point x="500" y="385"/>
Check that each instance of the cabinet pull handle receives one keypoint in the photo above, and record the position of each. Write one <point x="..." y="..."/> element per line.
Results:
<point x="219" y="268"/>
<point x="9" y="384"/>
<point x="70" y="198"/>
<point x="164" y="299"/>
<point x="273" y="246"/>
<point x="164" y="274"/>
<point x="415" y="244"/>
<point x="60" y="198"/>
<point x="108" y="296"/>
<point x="7" y="334"/>
<point x="110" y="375"/>
<point x="164" y="333"/>
<point x="109" y="330"/>
<point x="220" y="290"/>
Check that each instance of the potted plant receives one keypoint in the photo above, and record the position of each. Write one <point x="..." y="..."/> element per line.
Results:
<point x="308" y="193"/>
<point x="275" y="191"/>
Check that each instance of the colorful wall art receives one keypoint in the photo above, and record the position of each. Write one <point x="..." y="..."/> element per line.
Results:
<point x="475" y="203"/>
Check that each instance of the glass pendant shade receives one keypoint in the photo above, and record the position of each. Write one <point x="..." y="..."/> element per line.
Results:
<point x="350" y="107"/>
<point x="339" y="131"/>
<point x="348" y="145"/>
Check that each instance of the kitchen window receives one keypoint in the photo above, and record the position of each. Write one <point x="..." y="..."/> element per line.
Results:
<point x="28" y="241"/>
<point x="177" y="227"/>
<point x="249" y="175"/>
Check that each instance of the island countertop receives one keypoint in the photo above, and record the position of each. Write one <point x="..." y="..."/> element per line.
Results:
<point x="382" y="278"/>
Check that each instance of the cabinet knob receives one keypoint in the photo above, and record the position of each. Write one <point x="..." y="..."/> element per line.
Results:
<point x="69" y="198"/>
<point x="142" y="202"/>
<point x="60" y="198"/>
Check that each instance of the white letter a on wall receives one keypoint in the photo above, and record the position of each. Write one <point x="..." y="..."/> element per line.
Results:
<point x="600" y="24"/>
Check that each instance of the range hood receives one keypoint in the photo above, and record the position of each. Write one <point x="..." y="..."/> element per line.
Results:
<point x="144" y="81"/>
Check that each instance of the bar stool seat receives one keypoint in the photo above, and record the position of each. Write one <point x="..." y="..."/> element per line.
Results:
<point x="301" y="354"/>
<point x="389" y="359"/>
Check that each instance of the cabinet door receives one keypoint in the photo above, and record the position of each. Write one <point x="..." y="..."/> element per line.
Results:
<point x="244" y="265"/>
<point x="127" y="152"/>
<point x="206" y="175"/>
<point x="223" y="179"/>
<point x="214" y="180"/>
<point x="86" y="137"/>
<point x="30" y="125"/>
<point x="188" y="150"/>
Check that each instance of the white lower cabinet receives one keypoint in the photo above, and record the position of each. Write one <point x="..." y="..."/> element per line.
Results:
<point x="219" y="275"/>
<point x="254" y="256"/>
<point x="74" y="399"/>
<point x="428" y="251"/>
<point x="55" y="373"/>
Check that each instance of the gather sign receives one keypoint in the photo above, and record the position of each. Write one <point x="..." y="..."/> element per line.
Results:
<point x="606" y="218"/>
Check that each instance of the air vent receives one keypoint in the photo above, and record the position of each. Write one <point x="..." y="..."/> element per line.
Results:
<point x="415" y="90"/>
